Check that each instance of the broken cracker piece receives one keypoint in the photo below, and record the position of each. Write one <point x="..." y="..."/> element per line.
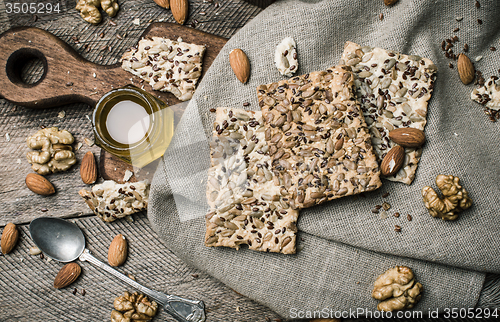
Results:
<point x="243" y="193"/>
<point x="394" y="90"/>
<point x="489" y="94"/>
<point x="168" y="65"/>
<point x="110" y="200"/>
<point x="285" y="57"/>
<point x="318" y="141"/>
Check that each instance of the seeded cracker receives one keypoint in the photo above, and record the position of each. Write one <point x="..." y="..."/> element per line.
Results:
<point x="168" y="65"/>
<point x="318" y="141"/>
<point x="488" y="94"/>
<point x="110" y="200"/>
<point x="394" y="90"/>
<point x="246" y="204"/>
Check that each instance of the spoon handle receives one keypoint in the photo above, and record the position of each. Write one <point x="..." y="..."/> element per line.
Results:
<point x="181" y="309"/>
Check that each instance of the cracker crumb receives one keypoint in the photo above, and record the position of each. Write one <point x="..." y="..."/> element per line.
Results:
<point x="61" y="114"/>
<point x="136" y="21"/>
<point x="478" y="58"/>
<point x="128" y="175"/>
<point x="89" y="142"/>
<point x="79" y="146"/>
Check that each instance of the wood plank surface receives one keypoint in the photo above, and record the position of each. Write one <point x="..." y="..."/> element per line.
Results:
<point x="26" y="290"/>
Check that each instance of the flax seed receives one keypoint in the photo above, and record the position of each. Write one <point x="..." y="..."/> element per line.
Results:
<point x="409" y="217"/>
<point x="397" y="228"/>
<point x="396" y="215"/>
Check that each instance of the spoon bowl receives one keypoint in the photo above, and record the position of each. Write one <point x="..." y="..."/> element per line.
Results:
<point x="57" y="238"/>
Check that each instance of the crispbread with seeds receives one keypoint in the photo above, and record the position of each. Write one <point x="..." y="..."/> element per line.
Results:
<point x="488" y="94"/>
<point x="110" y="200"/>
<point x="168" y="65"/>
<point x="245" y="200"/>
<point x="318" y="141"/>
<point x="394" y="90"/>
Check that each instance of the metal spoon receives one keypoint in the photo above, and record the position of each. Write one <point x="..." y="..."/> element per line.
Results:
<point x="64" y="241"/>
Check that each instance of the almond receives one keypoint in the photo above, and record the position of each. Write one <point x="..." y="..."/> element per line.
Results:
<point x="67" y="275"/>
<point x="88" y="168"/>
<point x="118" y="250"/>
<point x="408" y="137"/>
<point x="163" y="3"/>
<point x="180" y="9"/>
<point x="465" y="69"/>
<point x="240" y="64"/>
<point x="39" y="185"/>
<point x="393" y="161"/>
<point x="9" y="238"/>
<point x="390" y="2"/>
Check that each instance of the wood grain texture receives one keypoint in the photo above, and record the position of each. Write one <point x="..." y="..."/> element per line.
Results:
<point x="26" y="281"/>
<point x="69" y="78"/>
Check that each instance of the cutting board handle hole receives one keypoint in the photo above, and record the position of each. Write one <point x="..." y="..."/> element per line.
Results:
<point x="26" y="67"/>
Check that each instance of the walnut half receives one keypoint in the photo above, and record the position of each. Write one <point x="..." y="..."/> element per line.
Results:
<point x="89" y="9"/>
<point x="53" y="151"/>
<point x="455" y="198"/>
<point x="397" y="289"/>
<point x="133" y="308"/>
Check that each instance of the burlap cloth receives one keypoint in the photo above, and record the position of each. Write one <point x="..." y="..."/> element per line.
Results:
<point x="343" y="245"/>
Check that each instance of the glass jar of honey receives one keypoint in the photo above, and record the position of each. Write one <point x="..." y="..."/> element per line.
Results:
<point x="133" y="125"/>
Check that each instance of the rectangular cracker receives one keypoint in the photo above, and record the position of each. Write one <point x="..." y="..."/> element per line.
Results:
<point x="168" y="65"/>
<point x="110" y="200"/>
<point x="394" y="90"/>
<point x="246" y="204"/>
<point x="318" y="141"/>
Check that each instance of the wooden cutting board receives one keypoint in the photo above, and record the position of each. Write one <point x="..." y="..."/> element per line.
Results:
<point x="63" y="65"/>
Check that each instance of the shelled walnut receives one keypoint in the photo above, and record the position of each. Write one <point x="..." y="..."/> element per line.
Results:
<point x="89" y="9"/>
<point x="455" y="198"/>
<point x="54" y="152"/>
<point x="397" y="289"/>
<point x="133" y="307"/>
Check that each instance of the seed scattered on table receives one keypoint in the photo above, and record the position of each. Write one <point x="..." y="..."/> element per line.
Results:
<point x="41" y="256"/>
<point x="195" y="275"/>
<point x="409" y="217"/>
<point x="212" y="110"/>
<point x="74" y="291"/>
<point x="44" y="210"/>
<point x="397" y="228"/>
<point x="375" y="211"/>
<point x="450" y="65"/>
<point x="386" y="206"/>
<point x="466" y="47"/>
<point x="396" y="215"/>
<point x="101" y="35"/>
<point x="246" y="104"/>
<point x="478" y="5"/>
<point x="69" y="84"/>
<point x="119" y="37"/>
<point x="456" y="30"/>
<point x="493" y="48"/>
<point x="83" y="292"/>
<point x="385" y="195"/>
<point x="479" y="21"/>
<point x="381" y="16"/>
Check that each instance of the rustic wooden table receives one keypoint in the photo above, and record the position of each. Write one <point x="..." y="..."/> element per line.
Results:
<point x="26" y="282"/>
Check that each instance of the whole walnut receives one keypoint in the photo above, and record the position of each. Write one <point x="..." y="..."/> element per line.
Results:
<point x="89" y="9"/>
<point x="455" y="198"/>
<point x="397" y="289"/>
<point x="133" y="307"/>
<point x="53" y="151"/>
